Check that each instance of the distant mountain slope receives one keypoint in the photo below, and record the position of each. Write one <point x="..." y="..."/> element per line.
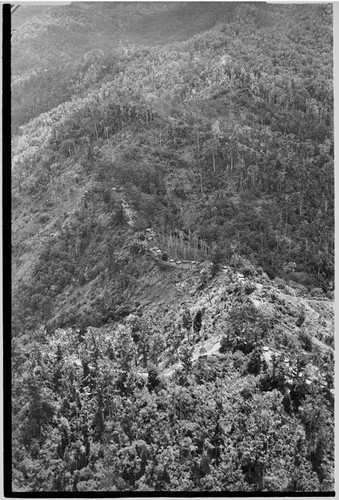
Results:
<point x="49" y="43"/>
<point x="243" y="122"/>
<point x="63" y="33"/>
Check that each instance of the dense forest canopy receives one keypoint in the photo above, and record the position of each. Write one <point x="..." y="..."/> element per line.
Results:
<point x="205" y="129"/>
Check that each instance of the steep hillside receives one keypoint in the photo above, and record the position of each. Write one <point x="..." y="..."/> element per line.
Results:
<point x="172" y="247"/>
<point x="215" y="384"/>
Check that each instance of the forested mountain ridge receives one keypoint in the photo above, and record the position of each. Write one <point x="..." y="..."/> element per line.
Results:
<point x="169" y="154"/>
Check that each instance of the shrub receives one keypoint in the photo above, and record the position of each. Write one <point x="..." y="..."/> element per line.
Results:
<point x="43" y="218"/>
<point x="226" y="344"/>
<point x="268" y="382"/>
<point x="248" y="271"/>
<point x="301" y="319"/>
<point x="244" y="345"/>
<point x="106" y="195"/>
<point x="271" y="273"/>
<point x="254" y="363"/>
<point x="246" y="393"/>
<point x="329" y="340"/>
<point x="306" y="341"/>
<point x="153" y="380"/>
<point x="239" y="361"/>
<point x="197" y="321"/>
<point x="187" y="319"/>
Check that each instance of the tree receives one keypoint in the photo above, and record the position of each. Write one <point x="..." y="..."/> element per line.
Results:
<point x="187" y="320"/>
<point x="197" y="322"/>
<point x="153" y="381"/>
<point x="186" y="356"/>
<point x="254" y="362"/>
